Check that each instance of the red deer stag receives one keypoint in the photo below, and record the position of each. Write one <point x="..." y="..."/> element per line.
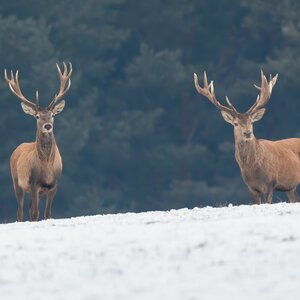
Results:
<point x="36" y="167"/>
<point x="265" y="165"/>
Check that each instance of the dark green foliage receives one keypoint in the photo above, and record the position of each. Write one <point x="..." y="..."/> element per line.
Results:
<point x="135" y="135"/>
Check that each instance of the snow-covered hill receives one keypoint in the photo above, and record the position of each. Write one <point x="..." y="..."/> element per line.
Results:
<point x="245" y="252"/>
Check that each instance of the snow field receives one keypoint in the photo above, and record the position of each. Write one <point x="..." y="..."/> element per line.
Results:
<point x="235" y="252"/>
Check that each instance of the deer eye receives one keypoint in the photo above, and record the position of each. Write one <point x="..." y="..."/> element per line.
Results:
<point x="37" y="117"/>
<point x="236" y="124"/>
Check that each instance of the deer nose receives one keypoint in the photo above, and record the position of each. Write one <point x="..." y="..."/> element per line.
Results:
<point x="247" y="134"/>
<point x="47" y="126"/>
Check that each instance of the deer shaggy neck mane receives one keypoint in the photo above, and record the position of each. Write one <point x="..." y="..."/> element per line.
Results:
<point x="45" y="146"/>
<point x="245" y="151"/>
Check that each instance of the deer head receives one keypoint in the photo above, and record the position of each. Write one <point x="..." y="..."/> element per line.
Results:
<point x="44" y="115"/>
<point x="242" y="122"/>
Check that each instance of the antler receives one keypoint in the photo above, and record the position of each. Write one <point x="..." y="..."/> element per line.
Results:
<point x="265" y="92"/>
<point x="208" y="92"/>
<point x="65" y="83"/>
<point x="14" y="86"/>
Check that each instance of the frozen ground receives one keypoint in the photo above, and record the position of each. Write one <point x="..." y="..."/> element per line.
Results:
<point x="245" y="252"/>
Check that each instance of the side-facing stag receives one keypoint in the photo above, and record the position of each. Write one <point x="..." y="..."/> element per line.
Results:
<point x="36" y="167"/>
<point x="265" y="165"/>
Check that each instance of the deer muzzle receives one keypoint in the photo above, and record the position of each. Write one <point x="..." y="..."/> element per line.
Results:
<point x="247" y="134"/>
<point x="48" y="127"/>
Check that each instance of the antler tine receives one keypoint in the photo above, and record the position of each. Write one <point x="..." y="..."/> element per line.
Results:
<point x="205" y="80"/>
<point x="37" y="98"/>
<point x="230" y="105"/>
<point x="65" y="83"/>
<point x="58" y="69"/>
<point x="265" y="92"/>
<point x="273" y="80"/>
<point x="65" y="69"/>
<point x="14" y="86"/>
<point x="209" y="92"/>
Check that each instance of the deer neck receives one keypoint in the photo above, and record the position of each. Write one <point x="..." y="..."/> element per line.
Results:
<point x="45" y="146"/>
<point x="246" y="151"/>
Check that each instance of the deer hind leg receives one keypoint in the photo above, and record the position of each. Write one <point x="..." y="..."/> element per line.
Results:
<point x="49" y="200"/>
<point x="293" y="195"/>
<point x="34" y="204"/>
<point x="20" y="199"/>
<point x="255" y="195"/>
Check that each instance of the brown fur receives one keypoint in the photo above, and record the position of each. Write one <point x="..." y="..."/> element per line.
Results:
<point x="267" y="166"/>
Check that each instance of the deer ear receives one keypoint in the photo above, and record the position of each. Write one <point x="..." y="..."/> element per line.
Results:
<point x="28" y="110"/>
<point x="227" y="117"/>
<point x="58" y="108"/>
<point x="256" y="116"/>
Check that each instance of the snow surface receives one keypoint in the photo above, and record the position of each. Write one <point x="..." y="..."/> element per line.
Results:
<point x="235" y="252"/>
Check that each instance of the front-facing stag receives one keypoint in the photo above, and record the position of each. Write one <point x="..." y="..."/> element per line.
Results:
<point x="265" y="165"/>
<point x="36" y="167"/>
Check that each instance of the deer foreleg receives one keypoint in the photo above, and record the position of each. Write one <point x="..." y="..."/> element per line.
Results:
<point x="20" y="198"/>
<point x="34" y="205"/>
<point x="50" y="196"/>
<point x="269" y="196"/>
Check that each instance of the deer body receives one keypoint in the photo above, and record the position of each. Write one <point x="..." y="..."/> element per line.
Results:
<point x="36" y="167"/>
<point x="28" y="167"/>
<point x="36" y="174"/>
<point x="265" y="165"/>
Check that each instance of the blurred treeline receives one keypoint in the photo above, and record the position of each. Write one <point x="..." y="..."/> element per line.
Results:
<point x="135" y="135"/>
